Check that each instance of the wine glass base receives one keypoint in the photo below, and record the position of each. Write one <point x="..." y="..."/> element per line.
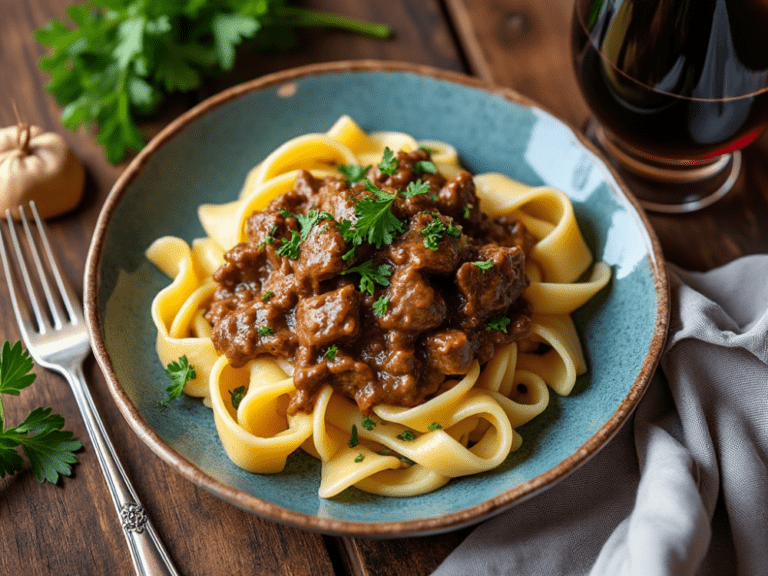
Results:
<point x="669" y="187"/>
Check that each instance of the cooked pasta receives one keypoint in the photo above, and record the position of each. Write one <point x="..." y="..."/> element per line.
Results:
<point x="468" y="427"/>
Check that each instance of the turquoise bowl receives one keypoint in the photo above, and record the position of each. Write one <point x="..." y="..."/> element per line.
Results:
<point x="203" y="157"/>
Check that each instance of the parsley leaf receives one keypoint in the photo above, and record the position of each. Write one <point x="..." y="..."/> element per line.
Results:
<point x="426" y="149"/>
<point x="370" y="275"/>
<point x="237" y="396"/>
<point x="483" y="264"/>
<point x="10" y="459"/>
<point x="415" y="189"/>
<point x="434" y="426"/>
<point x="15" y="368"/>
<point x="266" y="331"/>
<point x="388" y="163"/>
<point x="375" y="221"/>
<point x="270" y="238"/>
<point x="290" y="248"/>
<point x="331" y="352"/>
<point x="380" y="306"/>
<point x="406" y="435"/>
<point x="353" y="173"/>
<point x="180" y="373"/>
<point x="121" y="58"/>
<point x="353" y="440"/>
<point x="267" y="296"/>
<point x="360" y="457"/>
<point x="432" y="233"/>
<point x="49" y="449"/>
<point x="307" y="222"/>
<point x="368" y="423"/>
<point x="467" y="212"/>
<point x="424" y="166"/>
<point x="498" y="323"/>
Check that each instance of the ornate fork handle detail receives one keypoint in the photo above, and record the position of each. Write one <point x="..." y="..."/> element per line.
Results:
<point x="134" y="518"/>
<point x="60" y="342"/>
<point x="147" y="551"/>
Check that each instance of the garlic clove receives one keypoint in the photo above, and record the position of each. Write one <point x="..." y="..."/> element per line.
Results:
<point x="40" y="166"/>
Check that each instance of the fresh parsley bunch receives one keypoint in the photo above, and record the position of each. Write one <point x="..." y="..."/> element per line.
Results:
<point x="49" y="449"/>
<point x="123" y="56"/>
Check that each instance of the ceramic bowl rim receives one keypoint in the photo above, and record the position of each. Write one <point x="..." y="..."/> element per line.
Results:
<point x="275" y="512"/>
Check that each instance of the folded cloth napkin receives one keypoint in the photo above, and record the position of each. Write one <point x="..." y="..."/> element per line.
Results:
<point x="683" y="487"/>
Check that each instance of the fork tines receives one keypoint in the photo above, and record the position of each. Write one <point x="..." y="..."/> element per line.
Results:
<point x="60" y="308"/>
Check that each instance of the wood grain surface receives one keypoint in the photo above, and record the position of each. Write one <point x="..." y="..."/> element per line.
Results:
<point x="71" y="528"/>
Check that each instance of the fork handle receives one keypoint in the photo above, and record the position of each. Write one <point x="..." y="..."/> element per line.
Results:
<point x="149" y="556"/>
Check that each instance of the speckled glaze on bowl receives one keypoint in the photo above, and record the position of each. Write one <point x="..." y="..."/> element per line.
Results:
<point x="203" y="157"/>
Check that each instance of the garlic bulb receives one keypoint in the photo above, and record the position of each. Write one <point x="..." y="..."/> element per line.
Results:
<point x="37" y="165"/>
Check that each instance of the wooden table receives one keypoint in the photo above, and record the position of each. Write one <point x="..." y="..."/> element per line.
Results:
<point x="71" y="528"/>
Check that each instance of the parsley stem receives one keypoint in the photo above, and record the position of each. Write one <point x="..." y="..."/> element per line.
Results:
<point x="306" y="17"/>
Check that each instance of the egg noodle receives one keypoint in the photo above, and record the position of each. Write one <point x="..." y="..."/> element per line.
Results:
<point x="405" y="453"/>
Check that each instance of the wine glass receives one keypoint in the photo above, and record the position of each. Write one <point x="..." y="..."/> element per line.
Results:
<point x="676" y="88"/>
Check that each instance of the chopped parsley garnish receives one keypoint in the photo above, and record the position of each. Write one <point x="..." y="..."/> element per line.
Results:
<point x="388" y="164"/>
<point x="353" y="440"/>
<point x="290" y="248"/>
<point x="426" y="149"/>
<point x="376" y="223"/>
<point x="285" y="213"/>
<point x="180" y="373"/>
<point x="467" y="211"/>
<point x="435" y="229"/>
<point x="498" y="323"/>
<point x="385" y="452"/>
<point x="424" y="166"/>
<point x="370" y="275"/>
<point x="49" y="449"/>
<point x="483" y="264"/>
<point x="416" y="188"/>
<point x="307" y="222"/>
<point x="266" y="331"/>
<point x="380" y="306"/>
<point x="353" y="173"/>
<point x="267" y="296"/>
<point x="368" y="423"/>
<point x="237" y="396"/>
<point x="331" y="352"/>
<point x="270" y="239"/>
<point x="406" y="435"/>
<point x="360" y="457"/>
<point x="434" y="426"/>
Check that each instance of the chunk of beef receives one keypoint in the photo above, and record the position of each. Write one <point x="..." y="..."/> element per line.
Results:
<point x="327" y="318"/>
<point x="449" y="351"/>
<point x="414" y="305"/>
<point x="320" y="256"/>
<point x="489" y="292"/>
<point x="256" y="328"/>
<point x="458" y="193"/>
<point x="411" y="247"/>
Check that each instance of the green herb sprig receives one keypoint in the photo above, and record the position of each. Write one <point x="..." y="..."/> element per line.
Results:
<point x="370" y="275"/>
<point x="122" y="57"/>
<point x="49" y="449"/>
<point x="180" y="372"/>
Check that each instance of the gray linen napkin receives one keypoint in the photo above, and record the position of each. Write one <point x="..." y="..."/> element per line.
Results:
<point x="683" y="488"/>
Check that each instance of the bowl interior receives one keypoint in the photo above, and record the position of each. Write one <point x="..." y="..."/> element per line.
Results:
<point x="207" y="161"/>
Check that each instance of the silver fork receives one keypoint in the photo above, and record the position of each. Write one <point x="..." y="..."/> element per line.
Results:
<point x="58" y="340"/>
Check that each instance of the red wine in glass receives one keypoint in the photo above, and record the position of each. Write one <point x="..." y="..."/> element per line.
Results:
<point x="677" y="87"/>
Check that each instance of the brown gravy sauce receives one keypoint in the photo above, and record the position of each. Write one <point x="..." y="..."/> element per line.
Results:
<point x="442" y="310"/>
